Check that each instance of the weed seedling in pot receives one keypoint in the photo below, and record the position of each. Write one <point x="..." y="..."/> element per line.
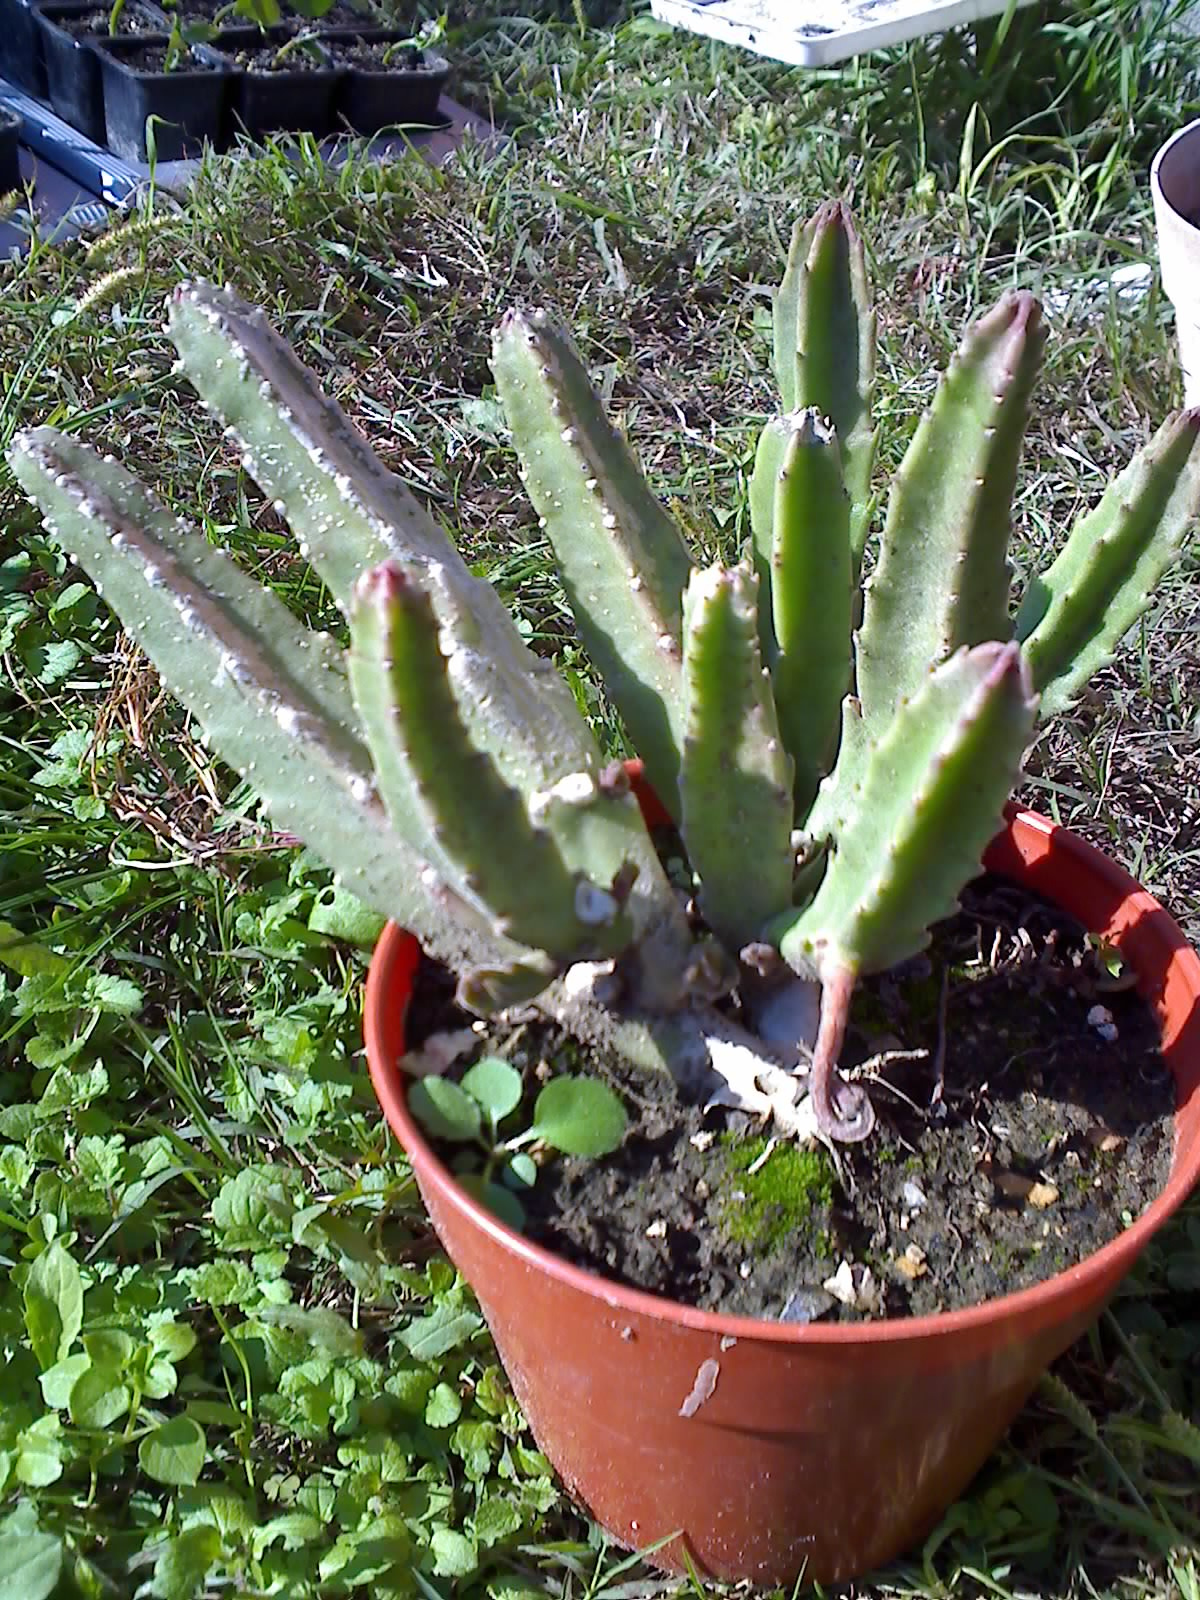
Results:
<point x="576" y="1115"/>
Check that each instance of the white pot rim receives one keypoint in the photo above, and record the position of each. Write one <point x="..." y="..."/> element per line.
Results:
<point x="1175" y="188"/>
<point x="1168" y="168"/>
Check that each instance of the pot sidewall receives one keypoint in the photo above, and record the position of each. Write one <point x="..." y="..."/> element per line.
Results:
<point x="1175" y="187"/>
<point x="831" y="1448"/>
<point x="191" y="104"/>
<point x="10" y="157"/>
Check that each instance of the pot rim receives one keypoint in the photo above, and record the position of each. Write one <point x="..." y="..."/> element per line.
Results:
<point x="1190" y="131"/>
<point x="394" y="962"/>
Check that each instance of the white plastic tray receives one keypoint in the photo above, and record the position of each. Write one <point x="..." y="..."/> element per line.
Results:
<point x="814" y="33"/>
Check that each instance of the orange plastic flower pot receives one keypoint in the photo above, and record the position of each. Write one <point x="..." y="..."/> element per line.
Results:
<point x="827" y="1449"/>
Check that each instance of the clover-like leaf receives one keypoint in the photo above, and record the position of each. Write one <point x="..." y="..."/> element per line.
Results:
<point x="53" y="1305"/>
<point x="184" y="1562"/>
<point x="338" y="914"/>
<point x="502" y="1203"/>
<point x="30" y="1565"/>
<point x="174" y="1453"/>
<point x="520" y="1172"/>
<point x="494" y="1085"/>
<point x="444" y="1110"/>
<point x="579" y="1116"/>
<point x="98" y="1398"/>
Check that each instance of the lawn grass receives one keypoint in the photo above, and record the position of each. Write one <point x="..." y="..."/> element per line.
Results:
<point x="183" y="1107"/>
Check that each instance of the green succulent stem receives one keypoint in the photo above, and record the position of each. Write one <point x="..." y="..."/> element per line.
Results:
<point x="350" y="513"/>
<point x="1075" y="613"/>
<point x="824" y="346"/>
<point x="736" y="779"/>
<point x="930" y="797"/>
<point x="942" y="579"/>
<point x="422" y="749"/>
<point x="622" y="560"/>
<point x="272" y="696"/>
<point x="802" y="552"/>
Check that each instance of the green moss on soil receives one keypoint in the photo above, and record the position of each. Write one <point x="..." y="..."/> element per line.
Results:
<point x="780" y="1197"/>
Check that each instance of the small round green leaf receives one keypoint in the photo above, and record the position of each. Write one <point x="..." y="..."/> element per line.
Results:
<point x="98" y="1398"/>
<point x="173" y="1340"/>
<point x="443" y="1109"/>
<point x="580" y="1116"/>
<point x="443" y="1407"/>
<point x="502" y="1203"/>
<point x="521" y="1172"/>
<point x="30" y="1565"/>
<point x="174" y="1453"/>
<point x="495" y="1085"/>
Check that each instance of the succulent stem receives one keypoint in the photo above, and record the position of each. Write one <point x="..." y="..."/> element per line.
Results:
<point x="824" y="346"/>
<point x="736" y="780"/>
<point x="422" y="750"/>
<point x="942" y="580"/>
<point x="930" y="797"/>
<point x="272" y="696"/>
<point x="801" y="520"/>
<point x="622" y="560"/>
<point x="1076" y="613"/>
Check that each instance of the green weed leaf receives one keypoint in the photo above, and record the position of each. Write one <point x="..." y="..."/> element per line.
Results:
<point x="98" y="1399"/>
<point x="444" y="1329"/>
<point x="23" y="954"/>
<point x="58" y="1381"/>
<point x="444" y="1110"/>
<point x="53" y="1305"/>
<point x="253" y="1210"/>
<point x="444" y="1406"/>
<point x="117" y="995"/>
<point x="520" y="1172"/>
<point x="222" y="1283"/>
<point x="174" y="1453"/>
<point x="185" y="1562"/>
<point x="496" y="1519"/>
<point x="30" y="1565"/>
<point x="580" y="1116"/>
<point x="40" y="1453"/>
<point x="294" y="1530"/>
<point x="454" y="1555"/>
<point x="321" y="1327"/>
<point x="338" y="914"/>
<point x="494" y="1085"/>
<point x="174" y="1341"/>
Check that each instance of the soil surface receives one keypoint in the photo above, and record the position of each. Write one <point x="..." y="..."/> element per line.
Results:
<point x="371" y="55"/>
<point x="1024" y="1119"/>
<point x="90" y="24"/>
<point x="153" y="58"/>
<point x="266" y="58"/>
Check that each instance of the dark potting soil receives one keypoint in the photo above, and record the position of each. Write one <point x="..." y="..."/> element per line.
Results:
<point x="371" y="55"/>
<point x="88" y="24"/>
<point x="1024" y="1120"/>
<point x="154" y="57"/>
<point x="266" y="58"/>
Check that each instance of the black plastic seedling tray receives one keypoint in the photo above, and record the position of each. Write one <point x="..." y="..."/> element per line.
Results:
<point x="73" y="163"/>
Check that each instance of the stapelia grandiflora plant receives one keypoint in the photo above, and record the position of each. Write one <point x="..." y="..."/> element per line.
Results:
<point x="837" y="754"/>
